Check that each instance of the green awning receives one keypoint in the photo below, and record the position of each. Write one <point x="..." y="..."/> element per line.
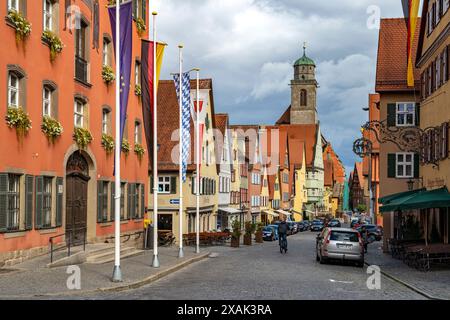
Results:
<point x="391" y="197"/>
<point x="439" y="198"/>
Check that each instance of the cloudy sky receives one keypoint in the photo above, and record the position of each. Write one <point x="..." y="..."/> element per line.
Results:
<point x="248" y="47"/>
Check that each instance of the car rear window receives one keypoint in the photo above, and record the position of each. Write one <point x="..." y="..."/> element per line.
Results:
<point x="344" y="236"/>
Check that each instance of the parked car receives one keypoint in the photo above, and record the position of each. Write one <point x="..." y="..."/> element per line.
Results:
<point x="270" y="233"/>
<point x="301" y="226"/>
<point x="334" y="223"/>
<point x="317" y="225"/>
<point x="373" y="231"/>
<point x="340" y="244"/>
<point x="307" y="224"/>
<point x="293" y="227"/>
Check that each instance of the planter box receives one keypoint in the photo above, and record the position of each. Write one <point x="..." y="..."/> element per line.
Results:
<point x="234" y="242"/>
<point x="248" y="240"/>
<point x="259" y="237"/>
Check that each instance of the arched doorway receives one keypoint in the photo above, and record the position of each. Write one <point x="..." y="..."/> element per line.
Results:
<point x="77" y="178"/>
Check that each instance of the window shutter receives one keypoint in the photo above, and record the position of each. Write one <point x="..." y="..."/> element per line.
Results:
<point x="437" y="145"/>
<point x="417" y="114"/>
<point x="39" y="202"/>
<point x="136" y="200"/>
<point x="3" y="200"/>
<point x="151" y="184"/>
<point x="193" y="185"/>
<point x="96" y="31"/>
<point x="429" y="145"/>
<point x="391" y="114"/>
<point x="135" y="9"/>
<point x="130" y="201"/>
<point x="113" y="202"/>
<point x="444" y="141"/>
<point x="416" y="166"/>
<point x="59" y="200"/>
<point x="391" y="165"/>
<point x="143" y="204"/>
<point x="144" y="11"/>
<point x="173" y="185"/>
<point x="99" y="201"/>
<point x="29" y="181"/>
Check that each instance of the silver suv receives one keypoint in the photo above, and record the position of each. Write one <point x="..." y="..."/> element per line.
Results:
<point x="340" y="244"/>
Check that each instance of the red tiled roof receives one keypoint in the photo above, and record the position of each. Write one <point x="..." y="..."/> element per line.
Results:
<point x="168" y="122"/>
<point x="221" y="121"/>
<point x="392" y="56"/>
<point x="285" y="117"/>
<point x="306" y="133"/>
<point x="359" y="171"/>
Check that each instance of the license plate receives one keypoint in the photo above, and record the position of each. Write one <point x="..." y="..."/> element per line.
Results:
<point x="345" y="246"/>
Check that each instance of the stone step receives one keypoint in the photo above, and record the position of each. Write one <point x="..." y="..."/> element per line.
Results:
<point x="107" y="255"/>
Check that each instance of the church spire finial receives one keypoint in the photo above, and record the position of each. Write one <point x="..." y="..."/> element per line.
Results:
<point x="304" y="48"/>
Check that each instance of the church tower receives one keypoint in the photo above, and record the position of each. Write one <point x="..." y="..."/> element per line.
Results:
<point x="304" y="91"/>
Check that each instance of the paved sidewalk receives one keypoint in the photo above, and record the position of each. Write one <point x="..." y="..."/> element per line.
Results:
<point x="33" y="279"/>
<point x="435" y="283"/>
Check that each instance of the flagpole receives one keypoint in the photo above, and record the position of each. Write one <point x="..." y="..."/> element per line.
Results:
<point x="197" y="214"/>
<point x="155" y="262"/>
<point x="180" y="213"/>
<point x="117" y="274"/>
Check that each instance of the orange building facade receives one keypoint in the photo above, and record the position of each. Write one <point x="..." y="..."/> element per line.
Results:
<point x="50" y="188"/>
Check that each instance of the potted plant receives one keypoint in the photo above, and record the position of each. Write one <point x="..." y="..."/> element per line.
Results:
<point x="259" y="232"/>
<point x="236" y="234"/>
<point x="54" y="42"/>
<point x="52" y="128"/>
<point x="82" y="137"/>
<point x="249" y="230"/>
<point x="22" y="26"/>
<point x="125" y="147"/>
<point x="108" y="143"/>
<point x="140" y="26"/>
<point x="108" y="74"/>
<point x="17" y="118"/>
<point x="139" y="150"/>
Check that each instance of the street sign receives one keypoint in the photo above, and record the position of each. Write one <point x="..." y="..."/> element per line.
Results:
<point x="174" y="201"/>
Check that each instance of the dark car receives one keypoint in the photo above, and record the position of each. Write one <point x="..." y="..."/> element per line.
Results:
<point x="301" y="226"/>
<point x="373" y="231"/>
<point x="317" y="225"/>
<point x="334" y="223"/>
<point x="270" y="233"/>
<point x="306" y="224"/>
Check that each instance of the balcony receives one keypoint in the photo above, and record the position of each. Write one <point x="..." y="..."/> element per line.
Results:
<point x="81" y="70"/>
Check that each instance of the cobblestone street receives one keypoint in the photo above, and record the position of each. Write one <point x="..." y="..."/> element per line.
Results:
<point x="261" y="272"/>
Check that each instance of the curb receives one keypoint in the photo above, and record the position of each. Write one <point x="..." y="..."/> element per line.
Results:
<point x="154" y="277"/>
<point x="409" y="286"/>
<point x="133" y="285"/>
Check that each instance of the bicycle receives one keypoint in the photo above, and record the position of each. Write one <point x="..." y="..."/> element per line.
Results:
<point x="283" y="244"/>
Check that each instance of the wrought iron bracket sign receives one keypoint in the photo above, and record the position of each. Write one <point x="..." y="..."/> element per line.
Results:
<point x="430" y="143"/>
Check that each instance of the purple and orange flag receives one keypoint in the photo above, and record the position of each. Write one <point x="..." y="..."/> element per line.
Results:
<point x="411" y="12"/>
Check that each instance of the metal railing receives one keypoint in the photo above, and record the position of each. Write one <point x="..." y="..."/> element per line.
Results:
<point x="70" y="243"/>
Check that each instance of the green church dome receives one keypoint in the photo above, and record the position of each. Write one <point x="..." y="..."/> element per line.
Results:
<point x="304" y="61"/>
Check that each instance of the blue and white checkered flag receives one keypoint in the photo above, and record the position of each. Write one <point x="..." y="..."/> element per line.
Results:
<point x="186" y="132"/>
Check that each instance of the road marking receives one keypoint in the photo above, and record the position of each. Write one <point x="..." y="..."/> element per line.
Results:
<point x="338" y="281"/>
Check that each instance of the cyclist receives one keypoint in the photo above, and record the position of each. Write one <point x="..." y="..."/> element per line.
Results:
<point x="282" y="234"/>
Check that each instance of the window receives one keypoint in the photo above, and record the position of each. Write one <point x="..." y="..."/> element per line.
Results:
<point x="48" y="15"/>
<point x="404" y="165"/>
<point x="81" y="57"/>
<point x="303" y="97"/>
<point x="277" y="186"/>
<point x="164" y="184"/>
<point x="137" y="73"/>
<point x="285" y="196"/>
<point x="13" y="90"/>
<point x="137" y="132"/>
<point x="79" y="113"/>
<point x="107" y="59"/>
<point x="47" y="102"/>
<point x="12" y="218"/>
<point x="405" y="115"/>
<point x="13" y="5"/>
<point x="106" y="117"/>
<point x="256" y="178"/>
<point x="47" y="202"/>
